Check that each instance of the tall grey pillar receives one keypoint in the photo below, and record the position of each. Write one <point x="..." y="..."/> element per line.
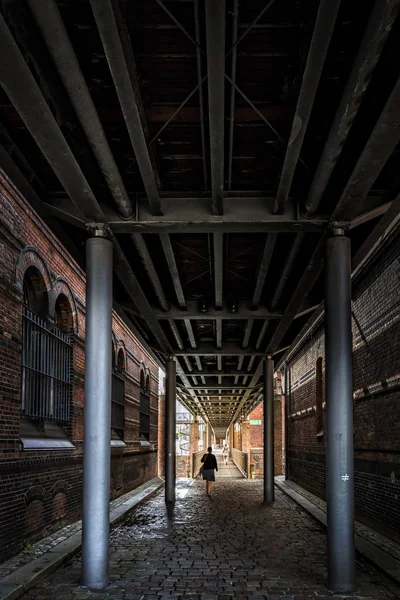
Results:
<point x="97" y="412"/>
<point x="170" y="431"/>
<point x="339" y="402"/>
<point x="269" y="492"/>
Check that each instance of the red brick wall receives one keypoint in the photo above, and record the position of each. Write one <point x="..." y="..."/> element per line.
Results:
<point x="257" y="440"/>
<point x="40" y="491"/>
<point x="376" y="397"/>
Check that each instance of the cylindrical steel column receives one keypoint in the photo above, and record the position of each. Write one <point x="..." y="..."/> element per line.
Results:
<point x="339" y="402"/>
<point x="170" y="430"/>
<point x="97" y="412"/>
<point x="269" y="492"/>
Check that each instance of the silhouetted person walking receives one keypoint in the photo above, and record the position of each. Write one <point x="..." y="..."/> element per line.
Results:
<point x="209" y="467"/>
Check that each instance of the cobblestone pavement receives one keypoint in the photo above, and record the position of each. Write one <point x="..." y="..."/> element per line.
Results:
<point x="229" y="545"/>
<point x="44" y="545"/>
<point x="379" y="540"/>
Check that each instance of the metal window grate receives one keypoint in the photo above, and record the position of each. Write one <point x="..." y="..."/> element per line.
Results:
<point x="144" y="428"/>
<point x="46" y="370"/>
<point x="118" y="404"/>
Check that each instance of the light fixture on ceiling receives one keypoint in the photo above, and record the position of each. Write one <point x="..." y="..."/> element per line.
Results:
<point x="233" y="306"/>
<point x="203" y="306"/>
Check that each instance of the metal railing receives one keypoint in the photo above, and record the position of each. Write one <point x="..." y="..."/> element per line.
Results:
<point x="196" y="462"/>
<point x="241" y="460"/>
<point x="46" y="370"/>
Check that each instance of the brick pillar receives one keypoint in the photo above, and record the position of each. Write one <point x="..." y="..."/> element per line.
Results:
<point x="235" y="438"/>
<point x="194" y="441"/>
<point x="245" y="427"/>
<point x="161" y="435"/>
<point x="231" y="436"/>
<point x="278" y="425"/>
<point x="205" y="439"/>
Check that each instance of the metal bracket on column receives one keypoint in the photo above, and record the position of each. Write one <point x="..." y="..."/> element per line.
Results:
<point x="338" y="228"/>
<point x="99" y="230"/>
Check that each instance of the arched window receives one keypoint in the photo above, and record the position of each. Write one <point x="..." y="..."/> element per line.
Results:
<point x="144" y="427"/>
<point x="64" y="318"/>
<point x="121" y="361"/>
<point x="318" y="397"/>
<point x="117" y="395"/>
<point x="46" y="354"/>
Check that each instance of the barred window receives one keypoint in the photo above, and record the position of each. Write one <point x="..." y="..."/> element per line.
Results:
<point x="118" y="405"/>
<point x="318" y="397"/>
<point x="46" y="357"/>
<point x="144" y="427"/>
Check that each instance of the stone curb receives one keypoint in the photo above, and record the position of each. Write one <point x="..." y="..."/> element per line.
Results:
<point x="15" y="584"/>
<point x="380" y="559"/>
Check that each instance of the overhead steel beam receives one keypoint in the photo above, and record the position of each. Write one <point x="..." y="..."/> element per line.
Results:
<point x="215" y="34"/>
<point x="118" y="61"/>
<point x="233" y="53"/>
<point x="150" y="269"/>
<point x="310" y="276"/>
<point x="217" y="374"/>
<point x="173" y="269"/>
<point x="287" y="270"/>
<point x="201" y="98"/>
<point x="193" y="313"/>
<point x="23" y="91"/>
<point x="229" y="349"/>
<point x="16" y="79"/>
<point x="219" y="387"/>
<point x="52" y="27"/>
<point x="218" y="333"/>
<point x="247" y="333"/>
<point x="218" y="244"/>
<point x="379" y="26"/>
<point x="381" y="144"/>
<point x="263" y="269"/>
<point x="324" y="25"/>
<point x="191" y="215"/>
<point x="24" y="188"/>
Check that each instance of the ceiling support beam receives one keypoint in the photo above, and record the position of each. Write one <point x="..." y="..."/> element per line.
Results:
<point x="324" y="25"/>
<point x="201" y="97"/>
<point x="379" y="26"/>
<point x="118" y="61"/>
<point x="233" y="54"/>
<point x="52" y="28"/>
<point x="305" y="285"/>
<point x="16" y="78"/>
<point x="23" y="91"/>
<point x="148" y="264"/>
<point x="263" y="269"/>
<point x="287" y="270"/>
<point x="207" y="349"/>
<point x="215" y="34"/>
<point x="218" y="243"/>
<point x="173" y="269"/>
<point x="381" y="144"/>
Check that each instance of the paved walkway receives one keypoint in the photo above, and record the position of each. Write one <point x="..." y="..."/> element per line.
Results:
<point x="226" y="471"/>
<point x="230" y="545"/>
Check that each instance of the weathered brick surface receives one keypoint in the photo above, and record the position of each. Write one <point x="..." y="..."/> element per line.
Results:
<point x="41" y="491"/>
<point x="256" y="440"/>
<point x="376" y="382"/>
<point x="229" y="546"/>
